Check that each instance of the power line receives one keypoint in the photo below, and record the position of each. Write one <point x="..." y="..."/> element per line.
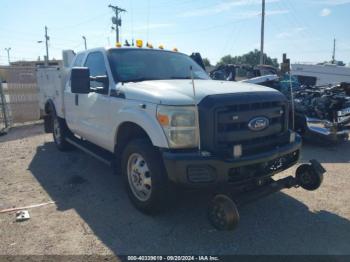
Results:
<point x="131" y="22"/>
<point x="169" y="6"/>
<point x="86" y="21"/>
<point x="147" y="22"/>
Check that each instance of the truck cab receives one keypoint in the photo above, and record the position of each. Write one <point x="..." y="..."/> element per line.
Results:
<point x="165" y="122"/>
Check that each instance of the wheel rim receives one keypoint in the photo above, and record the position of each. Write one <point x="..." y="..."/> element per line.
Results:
<point x="139" y="177"/>
<point x="57" y="131"/>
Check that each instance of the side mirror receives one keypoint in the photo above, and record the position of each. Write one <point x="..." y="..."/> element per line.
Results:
<point x="80" y="80"/>
<point x="103" y="79"/>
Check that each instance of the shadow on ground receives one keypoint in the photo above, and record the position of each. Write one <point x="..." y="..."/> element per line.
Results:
<point x="278" y="224"/>
<point x="20" y="132"/>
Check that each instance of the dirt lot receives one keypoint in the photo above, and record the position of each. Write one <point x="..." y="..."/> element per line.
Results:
<point x="92" y="214"/>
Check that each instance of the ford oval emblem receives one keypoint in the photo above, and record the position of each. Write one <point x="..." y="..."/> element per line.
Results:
<point x="258" y="123"/>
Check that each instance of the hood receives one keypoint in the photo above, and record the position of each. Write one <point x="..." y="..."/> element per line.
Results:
<point x="180" y="92"/>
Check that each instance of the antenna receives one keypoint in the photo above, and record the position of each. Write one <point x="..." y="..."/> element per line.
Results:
<point x="197" y="112"/>
<point x="148" y="9"/>
<point x="292" y="99"/>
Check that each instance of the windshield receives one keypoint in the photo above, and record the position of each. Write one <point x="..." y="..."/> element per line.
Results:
<point x="133" y="65"/>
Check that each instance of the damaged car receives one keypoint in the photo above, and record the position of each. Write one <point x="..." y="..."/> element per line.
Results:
<point x="323" y="112"/>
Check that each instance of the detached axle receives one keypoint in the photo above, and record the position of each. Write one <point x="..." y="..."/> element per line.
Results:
<point x="223" y="208"/>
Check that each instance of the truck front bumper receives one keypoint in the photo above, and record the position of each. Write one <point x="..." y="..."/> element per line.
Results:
<point x="195" y="169"/>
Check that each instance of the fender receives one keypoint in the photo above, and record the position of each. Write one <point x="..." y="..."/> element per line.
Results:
<point x="146" y="120"/>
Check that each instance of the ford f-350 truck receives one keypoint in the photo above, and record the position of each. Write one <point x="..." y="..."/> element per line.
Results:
<point x="158" y="117"/>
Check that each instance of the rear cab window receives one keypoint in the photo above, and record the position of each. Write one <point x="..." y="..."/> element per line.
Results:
<point x="78" y="61"/>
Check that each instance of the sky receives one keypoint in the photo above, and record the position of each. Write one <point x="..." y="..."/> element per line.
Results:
<point x="304" y="29"/>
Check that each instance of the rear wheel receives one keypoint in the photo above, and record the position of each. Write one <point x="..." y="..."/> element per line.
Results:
<point x="60" y="133"/>
<point x="145" y="176"/>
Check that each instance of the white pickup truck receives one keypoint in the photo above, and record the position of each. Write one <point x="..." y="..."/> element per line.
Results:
<point x="158" y="117"/>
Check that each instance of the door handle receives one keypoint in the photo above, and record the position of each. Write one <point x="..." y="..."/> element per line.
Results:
<point x="76" y="99"/>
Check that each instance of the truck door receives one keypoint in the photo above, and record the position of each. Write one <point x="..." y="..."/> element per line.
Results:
<point x="94" y="108"/>
<point x="70" y="100"/>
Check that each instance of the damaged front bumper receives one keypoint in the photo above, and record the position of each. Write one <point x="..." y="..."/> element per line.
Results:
<point x="329" y="130"/>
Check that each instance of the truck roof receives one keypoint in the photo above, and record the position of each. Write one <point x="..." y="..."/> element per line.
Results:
<point x="104" y="49"/>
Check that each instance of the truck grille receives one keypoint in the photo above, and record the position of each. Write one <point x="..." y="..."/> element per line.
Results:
<point x="230" y="118"/>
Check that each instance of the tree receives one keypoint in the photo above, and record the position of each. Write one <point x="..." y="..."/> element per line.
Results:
<point x="206" y="62"/>
<point x="252" y="58"/>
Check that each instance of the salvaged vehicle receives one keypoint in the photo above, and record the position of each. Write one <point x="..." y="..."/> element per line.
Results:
<point x="323" y="112"/>
<point x="231" y="72"/>
<point x="157" y="117"/>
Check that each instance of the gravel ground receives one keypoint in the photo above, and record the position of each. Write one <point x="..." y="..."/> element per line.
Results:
<point x="92" y="214"/>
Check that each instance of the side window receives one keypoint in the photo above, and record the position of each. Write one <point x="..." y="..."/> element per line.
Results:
<point x="96" y="63"/>
<point x="78" y="60"/>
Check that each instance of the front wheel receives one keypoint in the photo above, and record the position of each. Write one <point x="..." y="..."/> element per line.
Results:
<point x="145" y="176"/>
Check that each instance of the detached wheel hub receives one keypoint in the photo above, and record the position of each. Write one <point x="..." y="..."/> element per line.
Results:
<point x="223" y="213"/>
<point x="310" y="176"/>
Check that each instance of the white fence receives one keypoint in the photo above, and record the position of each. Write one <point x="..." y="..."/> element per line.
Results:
<point x="22" y="95"/>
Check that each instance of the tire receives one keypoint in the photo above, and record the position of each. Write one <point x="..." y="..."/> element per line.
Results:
<point x="60" y="133"/>
<point x="145" y="176"/>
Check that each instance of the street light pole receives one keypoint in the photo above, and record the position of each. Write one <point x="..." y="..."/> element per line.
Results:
<point x="8" y="53"/>
<point x="262" y="33"/>
<point x="47" y="38"/>
<point x="84" y="42"/>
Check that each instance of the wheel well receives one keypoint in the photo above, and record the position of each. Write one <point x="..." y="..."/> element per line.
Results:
<point x="49" y="109"/>
<point x="127" y="132"/>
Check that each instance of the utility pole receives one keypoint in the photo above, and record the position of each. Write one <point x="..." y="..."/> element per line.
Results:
<point x="8" y="53"/>
<point x="262" y="33"/>
<point x="333" y="56"/>
<point x="47" y="38"/>
<point x="84" y="42"/>
<point x="116" y="20"/>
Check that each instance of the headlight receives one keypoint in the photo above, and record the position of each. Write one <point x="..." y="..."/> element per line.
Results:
<point x="179" y="125"/>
